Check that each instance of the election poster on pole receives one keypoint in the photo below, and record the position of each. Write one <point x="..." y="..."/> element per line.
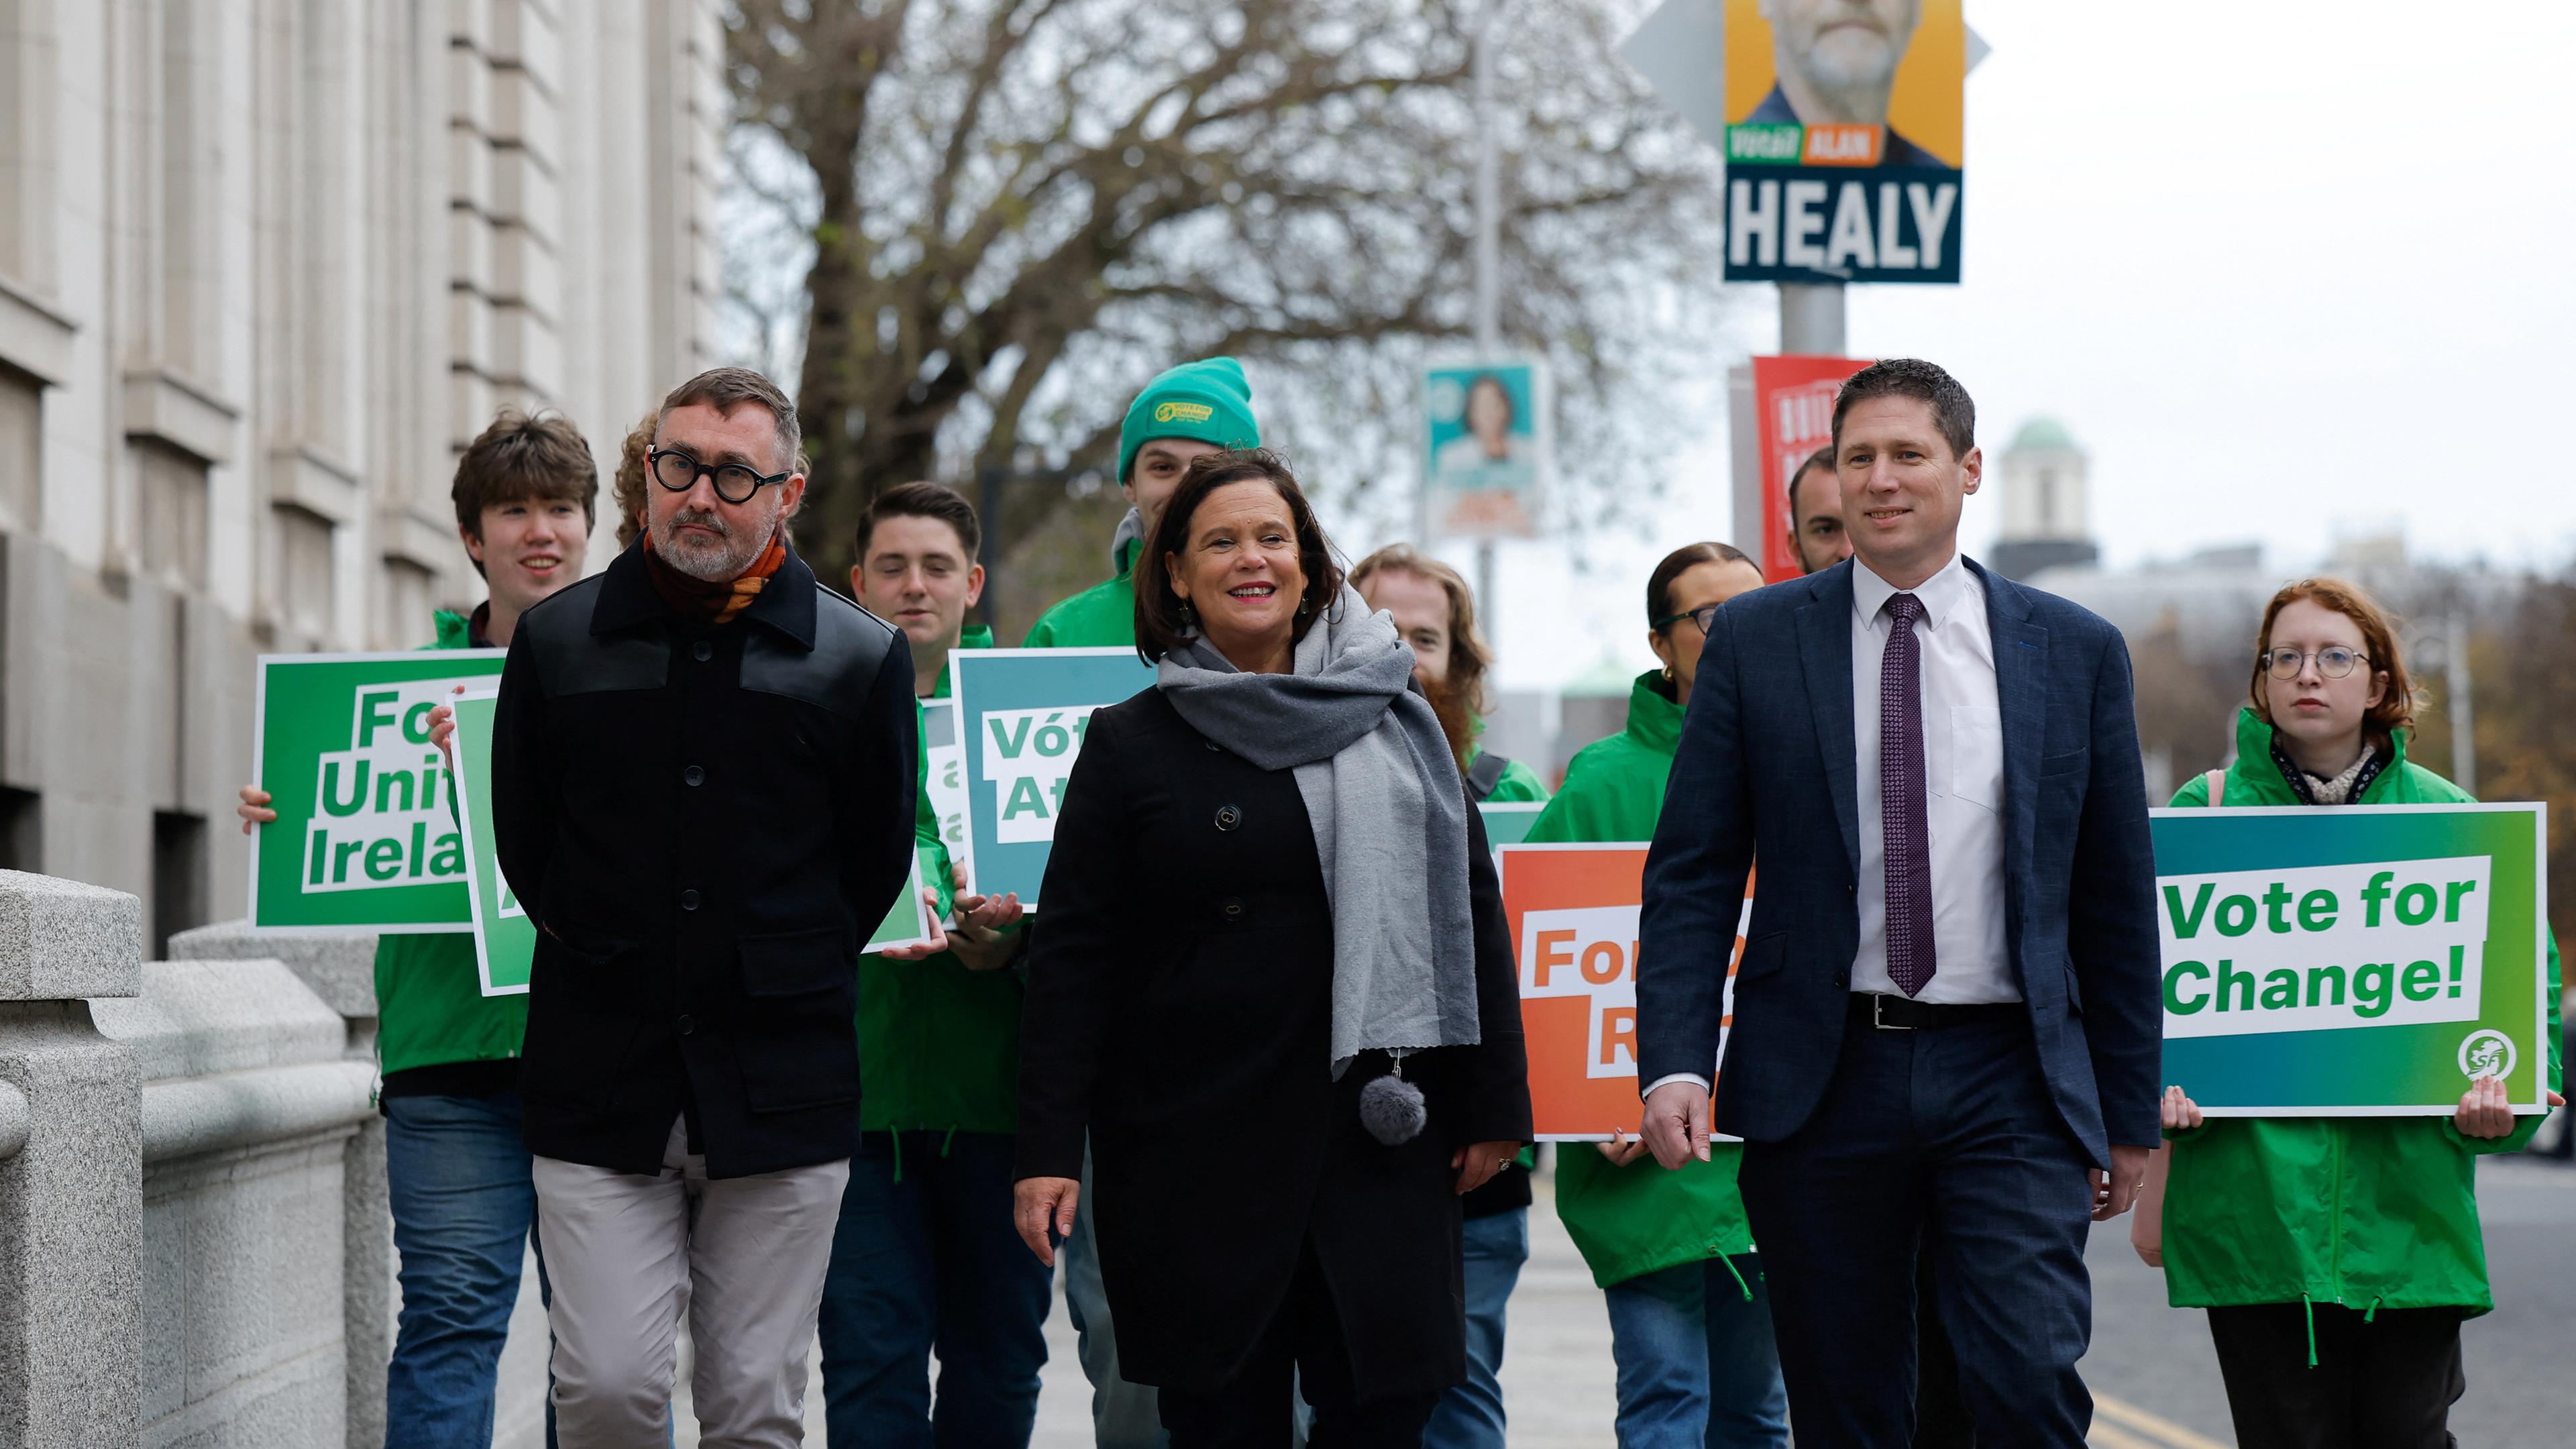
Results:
<point x="2365" y="961"/>
<point x="1021" y="714"/>
<point x="365" y="839"/>
<point x="1844" y="141"/>
<point x="1573" y="910"/>
<point x="1486" y="427"/>
<point x="505" y="943"/>
<point x="1793" y="409"/>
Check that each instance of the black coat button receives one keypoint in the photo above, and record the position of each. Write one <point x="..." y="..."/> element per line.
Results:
<point x="1213" y="745"/>
<point x="694" y="775"/>
<point x="1227" y="817"/>
<point x="687" y="1024"/>
<point x="688" y="900"/>
<point x="702" y="651"/>
<point x="1233" y="908"/>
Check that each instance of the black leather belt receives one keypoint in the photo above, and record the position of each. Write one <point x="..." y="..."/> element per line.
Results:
<point x="1889" y="1012"/>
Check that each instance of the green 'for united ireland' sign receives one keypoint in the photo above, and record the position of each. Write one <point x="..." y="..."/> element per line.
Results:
<point x="2356" y="961"/>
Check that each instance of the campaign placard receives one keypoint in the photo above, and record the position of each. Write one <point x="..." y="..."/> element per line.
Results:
<point x="1487" y="429"/>
<point x="2364" y="961"/>
<point x="505" y="942"/>
<point x="1508" y="822"/>
<point x="944" y="767"/>
<point x="1844" y="142"/>
<point x="1793" y="409"/>
<point x="365" y="838"/>
<point x="907" y="921"/>
<point x="1021" y="715"/>
<point x="1573" y="910"/>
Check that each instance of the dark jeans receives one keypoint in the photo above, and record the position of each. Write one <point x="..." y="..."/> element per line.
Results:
<point x="457" y="1176"/>
<point x="926" y="1261"/>
<point x="1951" y="1129"/>
<point x="1301" y="1352"/>
<point x="2387" y="1383"/>
<point x="1470" y="1416"/>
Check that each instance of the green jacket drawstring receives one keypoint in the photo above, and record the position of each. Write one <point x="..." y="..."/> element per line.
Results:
<point x="2373" y="1314"/>
<point x="944" y="1143"/>
<point x="897" y="1139"/>
<point x="1746" y="1288"/>
<point x="2310" y="1307"/>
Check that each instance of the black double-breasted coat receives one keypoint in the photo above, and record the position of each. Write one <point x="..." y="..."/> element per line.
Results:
<point x="1178" y="1011"/>
<point x="704" y="822"/>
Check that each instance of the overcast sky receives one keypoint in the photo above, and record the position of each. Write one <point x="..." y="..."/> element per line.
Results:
<point x="2284" y="267"/>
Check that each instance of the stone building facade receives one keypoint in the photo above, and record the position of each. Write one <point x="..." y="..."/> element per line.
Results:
<point x="265" y="267"/>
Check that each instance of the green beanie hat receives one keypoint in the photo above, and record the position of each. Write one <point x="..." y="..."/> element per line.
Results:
<point x="1208" y="400"/>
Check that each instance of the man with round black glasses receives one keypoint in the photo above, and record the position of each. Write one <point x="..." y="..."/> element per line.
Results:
<point x="703" y="772"/>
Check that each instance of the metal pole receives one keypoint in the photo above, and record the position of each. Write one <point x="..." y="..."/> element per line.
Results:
<point x="2455" y="683"/>
<point x="1811" y="318"/>
<point x="1489" y="265"/>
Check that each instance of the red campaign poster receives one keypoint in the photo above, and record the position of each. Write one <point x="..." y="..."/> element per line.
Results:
<point x="1573" y="912"/>
<point x="1793" y="410"/>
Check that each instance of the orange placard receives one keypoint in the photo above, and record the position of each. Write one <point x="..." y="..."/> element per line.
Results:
<point x="1573" y="912"/>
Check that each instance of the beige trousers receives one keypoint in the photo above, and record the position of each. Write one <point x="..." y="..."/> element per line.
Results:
<point x="627" y="1255"/>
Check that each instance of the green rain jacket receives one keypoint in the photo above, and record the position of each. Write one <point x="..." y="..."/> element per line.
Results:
<point x="1638" y="1218"/>
<point x="2367" y="1212"/>
<point x="939" y="1045"/>
<point x="1519" y="785"/>
<point x="430" y="1006"/>
<point x="1098" y="617"/>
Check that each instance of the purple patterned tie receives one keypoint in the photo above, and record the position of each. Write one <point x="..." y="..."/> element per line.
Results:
<point x="1910" y="958"/>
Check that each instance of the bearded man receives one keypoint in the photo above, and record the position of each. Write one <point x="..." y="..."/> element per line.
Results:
<point x="703" y="774"/>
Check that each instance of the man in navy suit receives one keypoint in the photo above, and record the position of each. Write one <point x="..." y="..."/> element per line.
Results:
<point x="1946" y="1013"/>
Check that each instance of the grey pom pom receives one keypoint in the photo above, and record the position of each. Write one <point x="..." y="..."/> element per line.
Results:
<point x="1392" y="1110"/>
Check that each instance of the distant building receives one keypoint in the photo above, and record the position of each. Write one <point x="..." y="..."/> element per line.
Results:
<point x="2047" y="521"/>
<point x="264" y="270"/>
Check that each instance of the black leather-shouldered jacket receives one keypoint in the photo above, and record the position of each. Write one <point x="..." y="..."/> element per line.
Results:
<point x="703" y="822"/>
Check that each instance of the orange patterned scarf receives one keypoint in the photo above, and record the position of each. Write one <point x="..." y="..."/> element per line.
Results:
<point x="719" y="602"/>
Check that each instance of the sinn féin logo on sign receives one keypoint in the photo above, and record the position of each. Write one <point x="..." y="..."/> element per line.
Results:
<point x="2486" y="1054"/>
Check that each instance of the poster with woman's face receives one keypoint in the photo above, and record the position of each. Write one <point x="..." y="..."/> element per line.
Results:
<point x="1488" y="448"/>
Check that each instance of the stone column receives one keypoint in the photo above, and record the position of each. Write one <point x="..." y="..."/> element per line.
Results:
<point x="71" y="1198"/>
<point x="341" y="969"/>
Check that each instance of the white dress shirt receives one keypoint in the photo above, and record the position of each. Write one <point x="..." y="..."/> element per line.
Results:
<point x="1963" y="778"/>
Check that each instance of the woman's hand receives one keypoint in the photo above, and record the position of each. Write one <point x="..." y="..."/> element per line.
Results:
<point x="1043" y="1204"/>
<point x="1622" y="1149"/>
<point x="2181" y="1114"/>
<point x="2487" y="1111"/>
<point x="1478" y="1162"/>
<point x="938" y="941"/>
<point x="253" y="808"/>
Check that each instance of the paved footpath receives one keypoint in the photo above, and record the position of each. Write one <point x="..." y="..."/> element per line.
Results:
<point x="2155" y="1381"/>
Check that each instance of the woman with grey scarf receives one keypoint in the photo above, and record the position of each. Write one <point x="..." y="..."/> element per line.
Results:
<point x="1275" y="987"/>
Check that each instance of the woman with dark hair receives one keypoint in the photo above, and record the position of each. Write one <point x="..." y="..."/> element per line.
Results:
<point x="1690" y="1321"/>
<point x="1276" y="989"/>
<point x="2337" y="1256"/>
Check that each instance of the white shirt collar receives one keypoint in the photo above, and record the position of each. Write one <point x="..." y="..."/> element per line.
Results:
<point x="1942" y="595"/>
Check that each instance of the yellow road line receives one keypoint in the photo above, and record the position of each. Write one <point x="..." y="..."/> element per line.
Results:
<point x="2163" y="1433"/>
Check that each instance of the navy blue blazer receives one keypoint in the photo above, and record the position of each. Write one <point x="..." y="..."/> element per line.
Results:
<point x="1767" y="766"/>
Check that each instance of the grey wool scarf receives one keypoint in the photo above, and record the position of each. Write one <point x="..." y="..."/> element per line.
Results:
<point x="1390" y="817"/>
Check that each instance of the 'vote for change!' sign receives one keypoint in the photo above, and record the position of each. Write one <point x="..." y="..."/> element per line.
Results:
<point x="1021" y="715"/>
<point x="1573" y="910"/>
<point x="2360" y="961"/>
<point x="365" y="839"/>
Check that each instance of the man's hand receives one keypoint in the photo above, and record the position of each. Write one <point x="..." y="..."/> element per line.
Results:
<point x="938" y="941"/>
<point x="1039" y="1204"/>
<point x="442" y="728"/>
<point x="981" y="920"/>
<point x="253" y="808"/>
<point x="1676" y="1126"/>
<point x="2113" y="1195"/>
<point x="1478" y="1162"/>
<point x="1622" y="1149"/>
<point x="2487" y="1111"/>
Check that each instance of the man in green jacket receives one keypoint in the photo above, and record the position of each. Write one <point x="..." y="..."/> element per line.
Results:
<point x="456" y="1171"/>
<point x="1690" y="1320"/>
<point x="1195" y="409"/>
<point x="925" y="1260"/>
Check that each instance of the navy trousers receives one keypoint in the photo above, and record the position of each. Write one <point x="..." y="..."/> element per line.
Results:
<point x="1950" y="1129"/>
